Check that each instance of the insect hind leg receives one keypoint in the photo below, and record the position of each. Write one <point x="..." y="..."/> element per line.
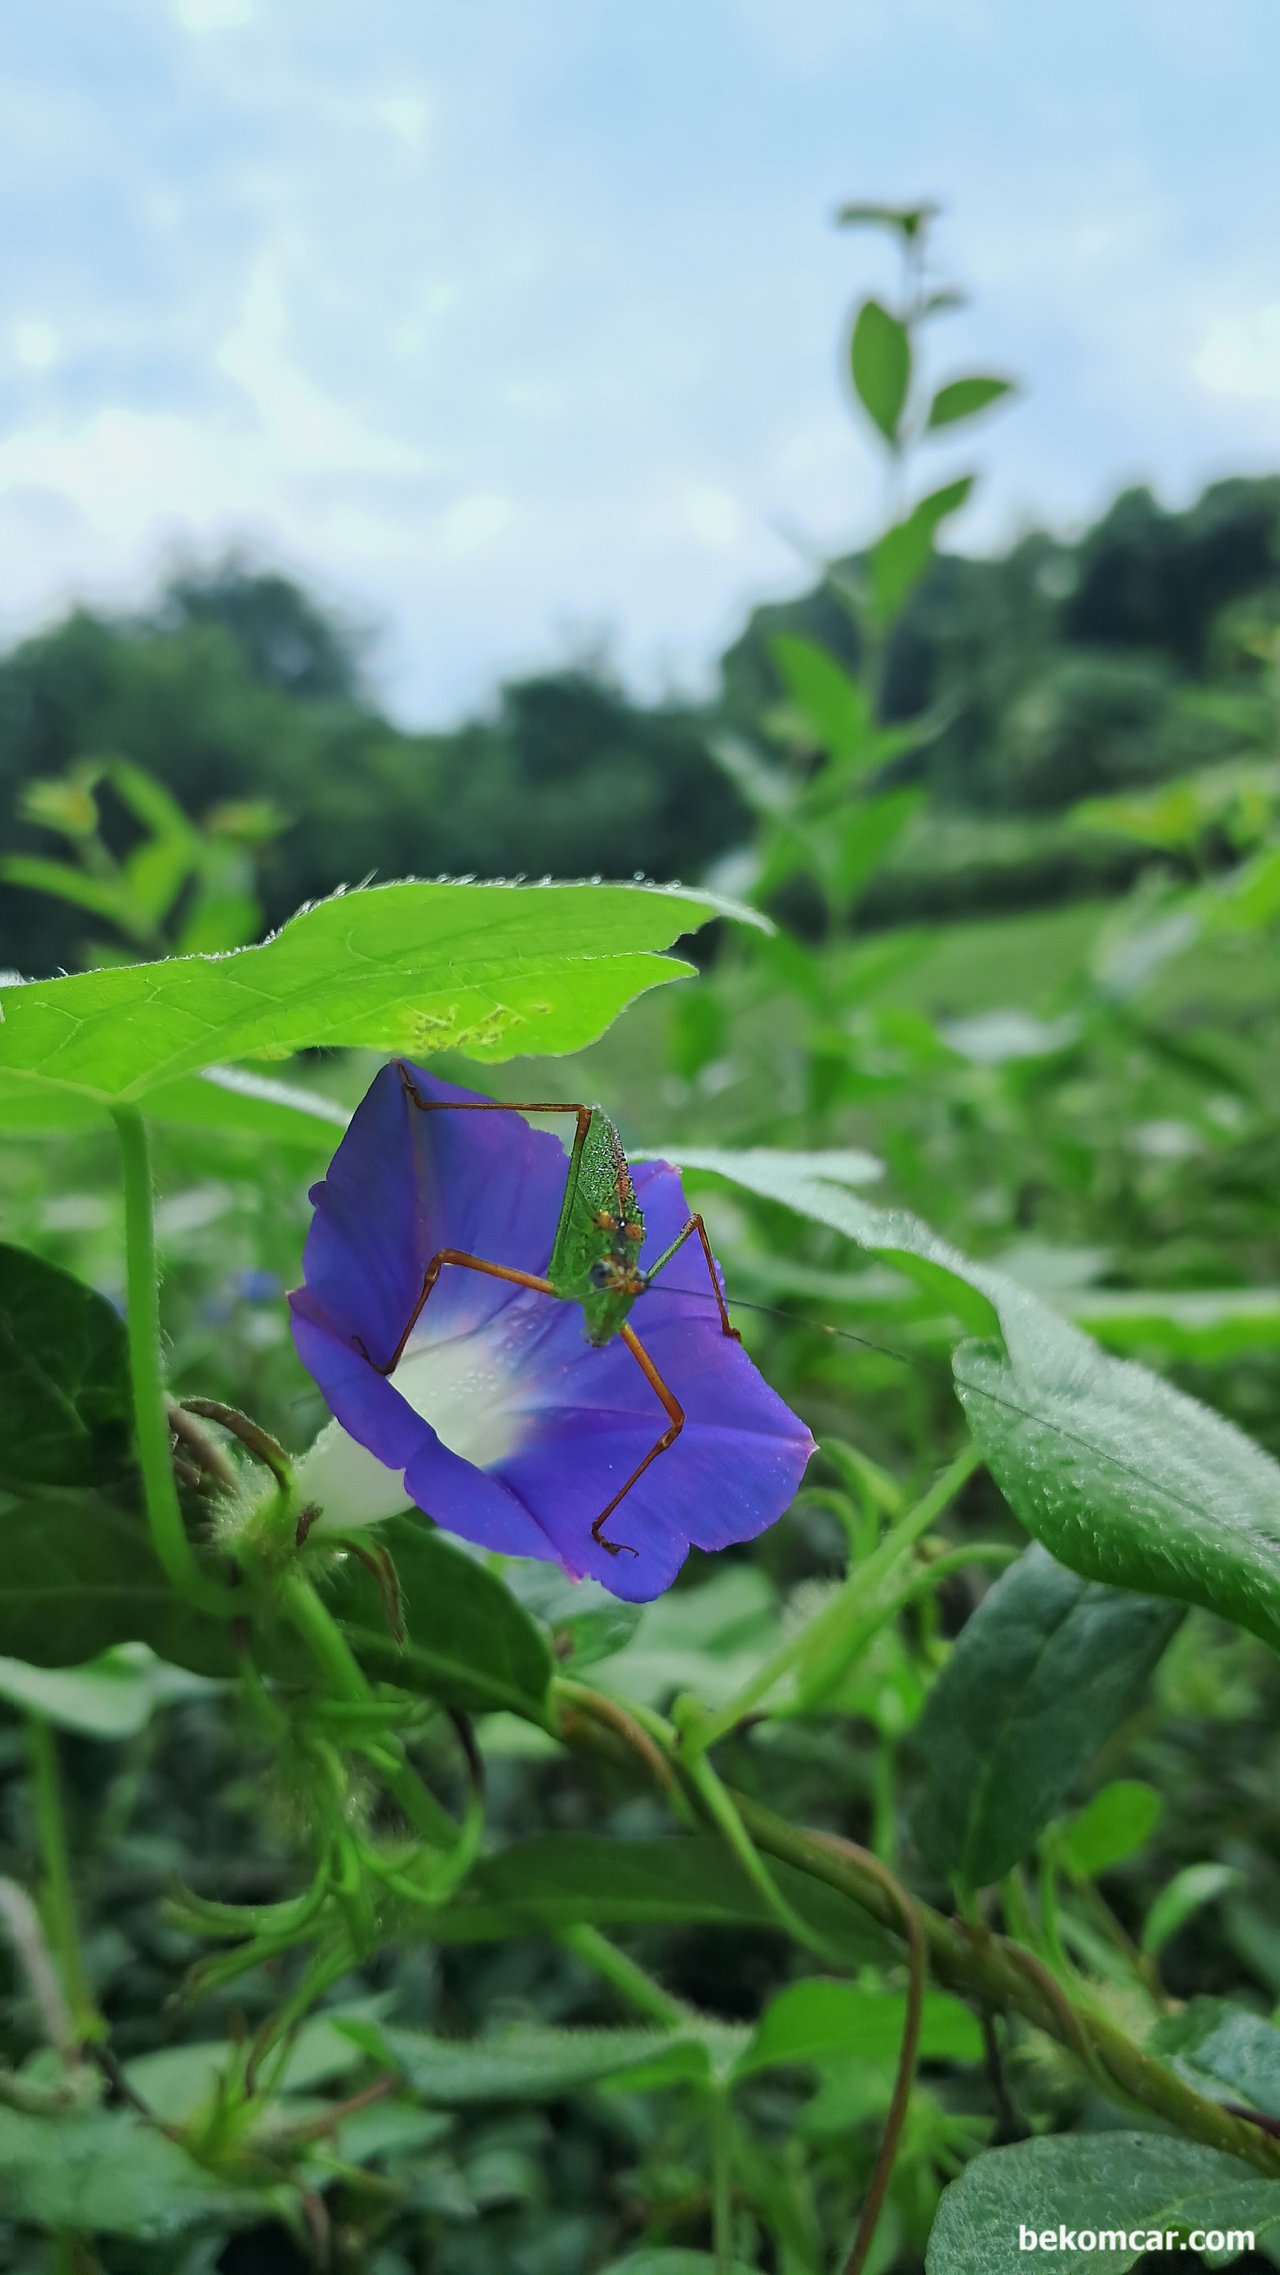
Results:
<point x="674" y="1426"/>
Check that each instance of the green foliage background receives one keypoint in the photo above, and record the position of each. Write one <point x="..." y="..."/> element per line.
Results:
<point x="1052" y="674"/>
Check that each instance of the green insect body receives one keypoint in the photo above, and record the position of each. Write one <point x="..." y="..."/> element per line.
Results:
<point x="596" y="1251"/>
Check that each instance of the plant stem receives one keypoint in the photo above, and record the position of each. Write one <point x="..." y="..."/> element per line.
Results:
<point x="856" y="1599"/>
<point x="908" y="2054"/>
<point x="151" y="1418"/>
<point x="997" y="1553"/>
<point x="345" y="1680"/>
<point x="56" y="1901"/>
<point x="629" y="1980"/>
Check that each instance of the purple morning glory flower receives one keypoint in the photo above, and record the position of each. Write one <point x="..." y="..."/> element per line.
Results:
<point x="505" y="1425"/>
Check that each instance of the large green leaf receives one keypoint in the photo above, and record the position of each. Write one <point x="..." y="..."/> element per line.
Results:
<point x="468" y="1641"/>
<point x="106" y="2173"/>
<point x="1123" y="1478"/>
<point x="1126" y="1479"/>
<point x="1044" y="1672"/>
<point x="563" y="1879"/>
<point x="484" y="969"/>
<point x="65" y="1404"/>
<point x="1134" y="2189"/>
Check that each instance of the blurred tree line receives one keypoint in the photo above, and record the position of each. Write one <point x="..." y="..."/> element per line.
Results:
<point x="1055" y="672"/>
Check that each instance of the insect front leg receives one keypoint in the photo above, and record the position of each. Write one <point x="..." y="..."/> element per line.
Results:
<point x="468" y="1263"/>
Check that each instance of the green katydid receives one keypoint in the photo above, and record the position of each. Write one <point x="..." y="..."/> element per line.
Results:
<point x="594" y="1256"/>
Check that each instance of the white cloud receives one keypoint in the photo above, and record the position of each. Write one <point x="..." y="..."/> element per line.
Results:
<point x="307" y="426"/>
<point x="1240" y="355"/>
<point x="712" y="515"/>
<point x="406" y="118"/>
<point x="473" y="525"/>
<point x="201" y="17"/>
<point x="35" y="343"/>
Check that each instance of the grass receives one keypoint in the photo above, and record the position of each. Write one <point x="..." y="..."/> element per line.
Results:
<point x="1032" y="959"/>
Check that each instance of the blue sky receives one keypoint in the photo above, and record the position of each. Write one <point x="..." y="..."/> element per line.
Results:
<point x="514" y="326"/>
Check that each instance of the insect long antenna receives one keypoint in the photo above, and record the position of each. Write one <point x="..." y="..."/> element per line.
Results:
<point x="1062" y="1430"/>
<point x="825" y="1327"/>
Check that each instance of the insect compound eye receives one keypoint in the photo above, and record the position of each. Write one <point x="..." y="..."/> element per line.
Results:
<point x="599" y="1274"/>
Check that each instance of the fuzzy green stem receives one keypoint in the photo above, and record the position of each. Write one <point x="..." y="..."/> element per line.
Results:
<point x="345" y="1680"/>
<point x="151" y="1417"/>
<point x="725" y="1816"/>
<point x="858" y="1596"/>
<point x="624" y="1976"/>
<point x="57" y="1903"/>
<point x="1055" y="1950"/>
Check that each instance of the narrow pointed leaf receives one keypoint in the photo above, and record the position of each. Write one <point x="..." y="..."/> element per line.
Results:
<point x="528" y="2061"/>
<point x="964" y="398"/>
<point x="1116" y="1823"/>
<point x="830" y="701"/>
<point x="899" y="559"/>
<point x="880" y="360"/>
<point x="821" y="2020"/>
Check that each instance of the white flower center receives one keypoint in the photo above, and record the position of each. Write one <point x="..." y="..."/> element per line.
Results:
<point x="463" y="1387"/>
